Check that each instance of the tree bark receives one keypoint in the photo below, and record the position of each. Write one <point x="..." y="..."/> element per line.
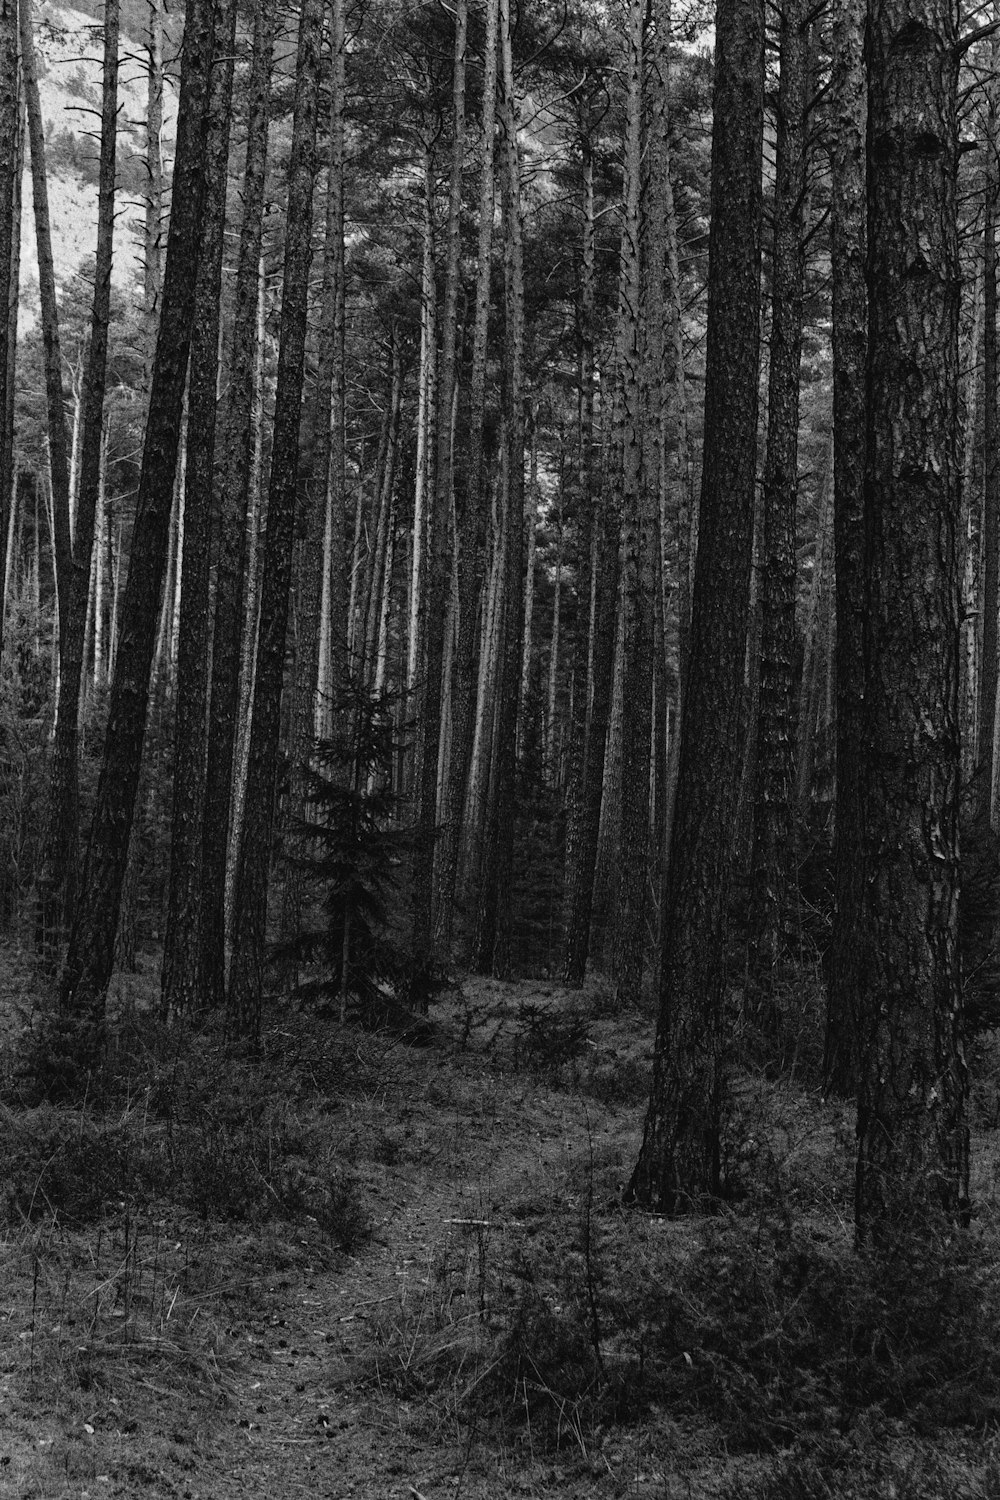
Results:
<point x="912" y="1176"/>
<point x="850" y="341"/>
<point x="55" y="400"/>
<point x="181" y="953"/>
<point x="91" y="949"/>
<point x="773" y="863"/>
<point x="472" y="504"/>
<point x="10" y="230"/>
<point x="680" y="1162"/>
<point x="438" y="549"/>
<point x="57" y="886"/>
<point x="246" y="982"/>
<point x="990" y="570"/>
<point x="234" y="488"/>
<point x="495" y="951"/>
<point x="330" y="385"/>
<point x="640" y="322"/>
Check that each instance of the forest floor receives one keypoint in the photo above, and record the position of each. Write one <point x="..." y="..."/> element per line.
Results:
<point x="355" y="1266"/>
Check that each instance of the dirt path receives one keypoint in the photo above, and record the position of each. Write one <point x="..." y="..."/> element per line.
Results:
<point x="329" y="1373"/>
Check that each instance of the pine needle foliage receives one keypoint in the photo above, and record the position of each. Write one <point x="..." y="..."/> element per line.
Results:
<point x="351" y="855"/>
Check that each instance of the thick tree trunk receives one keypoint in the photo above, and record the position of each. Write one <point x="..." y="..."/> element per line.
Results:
<point x="772" y="862"/>
<point x="912" y="1176"/>
<point x="181" y="953"/>
<point x="680" y="1162"/>
<point x="237" y="442"/>
<point x="91" y="948"/>
<point x="850" y="339"/>
<point x="246" y="983"/>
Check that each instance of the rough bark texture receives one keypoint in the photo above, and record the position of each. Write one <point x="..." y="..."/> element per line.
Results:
<point x="596" y="599"/>
<point x="912" y="1138"/>
<point x="494" y="939"/>
<point x="680" y="1160"/>
<point x="181" y="953"/>
<point x="237" y="457"/>
<point x="773" y="864"/>
<point x="330" y="387"/>
<point x="92" y="941"/>
<point x="638" y="508"/>
<point x="57" y="886"/>
<point x="438" y="550"/>
<point x="9" y="237"/>
<point x="990" y="572"/>
<point x="246" y="983"/>
<point x="472" y="504"/>
<point x="54" y="396"/>
<point x="850" y="342"/>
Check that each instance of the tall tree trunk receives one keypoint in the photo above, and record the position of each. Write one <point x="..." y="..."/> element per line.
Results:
<point x="990" y="571"/>
<point x="439" y="549"/>
<point x="57" y="896"/>
<point x="496" y="898"/>
<point x="850" y="342"/>
<point x="680" y="1162"/>
<point x="330" y="385"/>
<point x="913" y="1143"/>
<point x="596" y="594"/>
<point x="772" y="862"/>
<point x="10" y="236"/>
<point x="237" y="442"/>
<point x="181" y="953"/>
<point x="426" y="405"/>
<point x="640" y="304"/>
<point x="152" y="264"/>
<point x="246" y="982"/>
<point x="55" y="401"/>
<point x="472" y="504"/>
<point x="91" y="948"/>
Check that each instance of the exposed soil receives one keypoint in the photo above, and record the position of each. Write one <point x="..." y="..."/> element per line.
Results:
<point x="177" y="1356"/>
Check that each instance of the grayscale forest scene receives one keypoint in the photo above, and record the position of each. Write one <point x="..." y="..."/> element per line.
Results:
<point x="499" y="750"/>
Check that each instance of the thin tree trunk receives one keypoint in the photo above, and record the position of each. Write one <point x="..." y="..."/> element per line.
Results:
<point x="990" y="571"/>
<point x="55" y="401"/>
<point x="57" y="886"/>
<point x="152" y="267"/>
<point x="246" y="983"/>
<point x="91" y="949"/>
<point x="641" y="315"/>
<point x="680" y="1162"/>
<point x="850" y="342"/>
<point x="473" y="512"/>
<point x="181" y="953"/>
<point x="596" y="592"/>
<point x="426" y="405"/>
<point x="772" y="859"/>
<point x="330" y="385"/>
<point x="10" y="242"/>
<point x="495" y="950"/>
<point x="237" y="443"/>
